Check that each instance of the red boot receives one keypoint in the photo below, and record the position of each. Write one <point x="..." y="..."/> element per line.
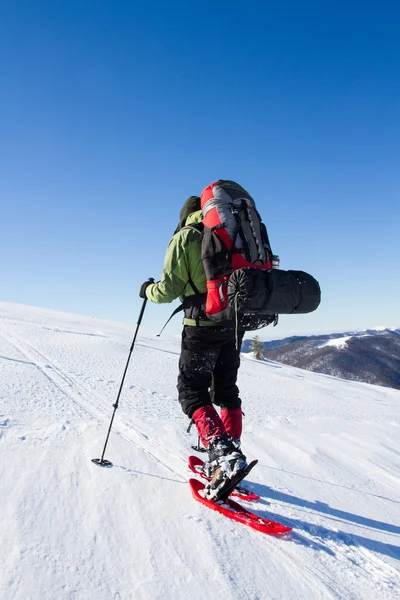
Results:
<point x="225" y="460"/>
<point x="232" y="420"/>
<point x="209" y="424"/>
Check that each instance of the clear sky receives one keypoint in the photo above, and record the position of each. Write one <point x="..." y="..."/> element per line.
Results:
<point x="113" y="112"/>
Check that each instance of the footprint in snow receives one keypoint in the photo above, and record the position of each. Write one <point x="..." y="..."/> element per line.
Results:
<point x="4" y="423"/>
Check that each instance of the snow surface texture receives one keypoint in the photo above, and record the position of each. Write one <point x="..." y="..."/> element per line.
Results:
<point x="328" y="450"/>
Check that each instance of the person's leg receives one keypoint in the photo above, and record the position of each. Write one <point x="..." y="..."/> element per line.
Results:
<point x="201" y="348"/>
<point x="232" y="419"/>
<point x="224" y="391"/>
<point x="199" y="354"/>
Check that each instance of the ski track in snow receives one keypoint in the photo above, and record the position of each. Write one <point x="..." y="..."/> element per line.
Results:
<point x="77" y="392"/>
<point x="328" y="467"/>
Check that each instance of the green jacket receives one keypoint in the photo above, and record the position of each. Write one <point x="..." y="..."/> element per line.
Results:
<point x="182" y="259"/>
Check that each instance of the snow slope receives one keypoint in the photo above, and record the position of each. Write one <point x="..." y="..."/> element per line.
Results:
<point x="329" y="466"/>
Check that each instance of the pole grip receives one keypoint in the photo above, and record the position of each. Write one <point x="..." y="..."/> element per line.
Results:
<point x="150" y="280"/>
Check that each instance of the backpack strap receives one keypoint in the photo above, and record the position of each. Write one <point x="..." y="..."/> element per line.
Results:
<point x="184" y="305"/>
<point x="194" y="288"/>
<point x="176" y="311"/>
<point x="199" y="227"/>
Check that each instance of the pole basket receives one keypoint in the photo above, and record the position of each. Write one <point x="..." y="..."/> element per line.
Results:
<point x="102" y="462"/>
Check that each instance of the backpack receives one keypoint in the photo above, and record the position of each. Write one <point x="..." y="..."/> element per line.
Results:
<point x="233" y="237"/>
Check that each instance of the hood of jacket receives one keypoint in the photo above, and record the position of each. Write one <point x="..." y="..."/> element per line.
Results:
<point x="191" y="205"/>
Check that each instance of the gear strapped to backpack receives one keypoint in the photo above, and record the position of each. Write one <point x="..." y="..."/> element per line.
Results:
<point x="243" y="290"/>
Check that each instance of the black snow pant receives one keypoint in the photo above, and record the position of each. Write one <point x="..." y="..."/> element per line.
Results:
<point x="208" y="368"/>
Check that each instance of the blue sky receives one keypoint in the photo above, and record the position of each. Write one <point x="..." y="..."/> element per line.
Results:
<point x="112" y="113"/>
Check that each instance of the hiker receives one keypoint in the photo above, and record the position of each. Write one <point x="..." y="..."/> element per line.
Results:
<point x="210" y="353"/>
<point x="220" y="264"/>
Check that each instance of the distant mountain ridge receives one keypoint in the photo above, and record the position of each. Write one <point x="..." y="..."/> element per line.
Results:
<point x="371" y="355"/>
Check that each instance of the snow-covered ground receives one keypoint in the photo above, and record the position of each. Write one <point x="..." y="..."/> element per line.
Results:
<point x="329" y="466"/>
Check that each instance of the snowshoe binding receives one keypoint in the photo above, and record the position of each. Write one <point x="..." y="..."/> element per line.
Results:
<point x="227" y="466"/>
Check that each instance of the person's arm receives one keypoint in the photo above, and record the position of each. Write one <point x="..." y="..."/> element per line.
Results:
<point x="174" y="277"/>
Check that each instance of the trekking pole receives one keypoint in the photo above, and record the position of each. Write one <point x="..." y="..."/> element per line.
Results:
<point x="101" y="462"/>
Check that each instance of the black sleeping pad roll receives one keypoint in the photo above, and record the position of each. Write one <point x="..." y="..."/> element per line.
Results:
<point x="256" y="291"/>
<point x="310" y="292"/>
<point x="248" y="285"/>
<point x="283" y="293"/>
